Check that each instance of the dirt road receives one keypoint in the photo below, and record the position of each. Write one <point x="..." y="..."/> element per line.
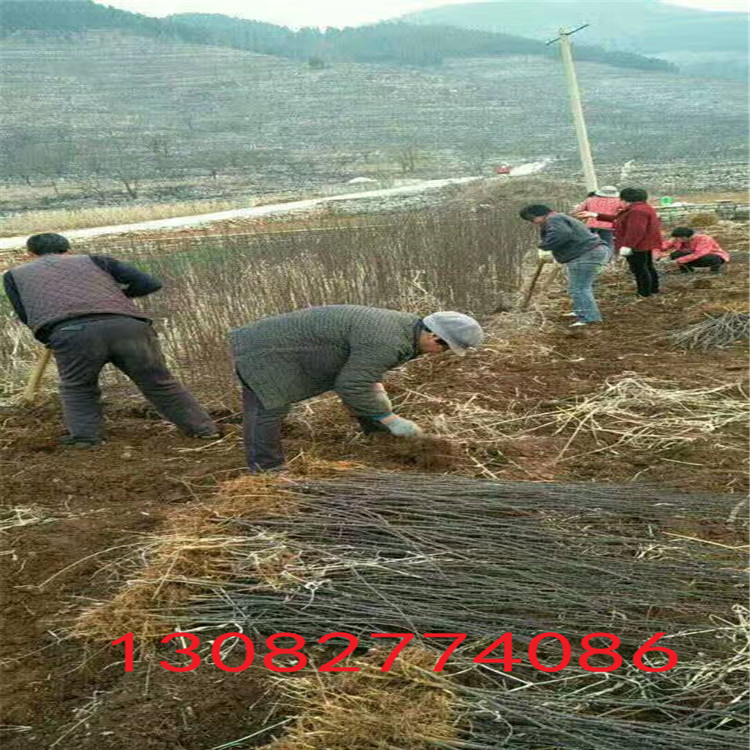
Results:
<point x="180" y="222"/>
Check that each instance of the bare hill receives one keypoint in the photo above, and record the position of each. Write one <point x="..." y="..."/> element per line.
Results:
<point x="701" y="42"/>
<point x="86" y="105"/>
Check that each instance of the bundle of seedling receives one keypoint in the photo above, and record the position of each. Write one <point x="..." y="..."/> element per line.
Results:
<point x="715" y="332"/>
<point x="384" y="553"/>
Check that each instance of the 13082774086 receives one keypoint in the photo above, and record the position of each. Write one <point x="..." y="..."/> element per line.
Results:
<point x="283" y="652"/>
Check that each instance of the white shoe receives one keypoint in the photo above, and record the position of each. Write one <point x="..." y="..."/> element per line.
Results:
<point x="577" y="324"/>
<point x="570" y="315"/>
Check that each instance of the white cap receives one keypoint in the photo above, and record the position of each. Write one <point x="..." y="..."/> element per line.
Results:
<point x="459" y="331"/>
<point x="608" y="191"/>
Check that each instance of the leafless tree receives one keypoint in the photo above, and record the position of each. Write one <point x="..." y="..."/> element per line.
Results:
<point x="127" y="164"/>
<point x="477" y="151"/>
<point x="408" y="158"/>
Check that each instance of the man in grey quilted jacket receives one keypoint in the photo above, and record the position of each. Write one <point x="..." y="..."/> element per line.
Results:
<point x="343" y="348"/>
<point x="81" y="307"/>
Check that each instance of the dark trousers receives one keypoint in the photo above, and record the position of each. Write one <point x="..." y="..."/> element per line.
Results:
<point x="261" y="429"/>
<point x="641" y="264"/>
<point x="83" y="346"/>
<point x="714" y="262"/>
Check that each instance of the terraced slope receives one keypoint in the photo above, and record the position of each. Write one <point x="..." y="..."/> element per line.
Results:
<point x="105" y="102"/>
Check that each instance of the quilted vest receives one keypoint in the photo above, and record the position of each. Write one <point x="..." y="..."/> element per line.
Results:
<point x="58" y="287"/>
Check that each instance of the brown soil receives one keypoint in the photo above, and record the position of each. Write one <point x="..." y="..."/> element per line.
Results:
<point x="94" y="502"/>
<point x="190" y="711"/>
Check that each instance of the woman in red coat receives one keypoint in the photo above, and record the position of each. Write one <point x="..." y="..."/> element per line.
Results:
<point x="637" y="235"/>
<point x="604" y="200"/>
<point x="690" y="251"/>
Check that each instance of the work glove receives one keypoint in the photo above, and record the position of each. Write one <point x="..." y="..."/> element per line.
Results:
<point x="401" y="427"/>
<point x="545" y="256"/>
<point x="586" y="215"/>
<point x="625" y="251"/>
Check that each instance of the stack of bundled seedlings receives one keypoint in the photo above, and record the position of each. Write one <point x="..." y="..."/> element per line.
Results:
<point x="411" y="707"/>
<point x="388" y="553"/>
<point x="584" y="721"/>
<point x="718" y="331"/>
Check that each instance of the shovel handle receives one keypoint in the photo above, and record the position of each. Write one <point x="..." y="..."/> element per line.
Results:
<point x="32" y="387"/>
<point x="539" y="266"/>
<point x="551" y="277"/>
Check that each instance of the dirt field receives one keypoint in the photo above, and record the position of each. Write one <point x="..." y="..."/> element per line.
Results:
<point x="82" y="507"/>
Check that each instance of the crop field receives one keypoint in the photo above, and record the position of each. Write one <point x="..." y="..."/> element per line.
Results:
<point x="570" y="485"/>
<point x="216" y="283"/>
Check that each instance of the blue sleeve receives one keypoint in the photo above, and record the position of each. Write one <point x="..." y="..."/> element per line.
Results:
<point x="136" y="283"/>
<point x="11" y="290"/>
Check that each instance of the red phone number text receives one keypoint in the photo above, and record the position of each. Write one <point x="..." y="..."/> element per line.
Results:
<point x="499" y="652"/>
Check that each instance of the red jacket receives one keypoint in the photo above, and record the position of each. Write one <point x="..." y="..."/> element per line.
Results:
<point x="600" y="205"/>
<point x="637" y="226"/>
<point x="698" y="245"/>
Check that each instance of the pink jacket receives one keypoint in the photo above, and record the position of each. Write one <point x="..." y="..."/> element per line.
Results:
<point x="698" y="245"/>
<point x="600" y="205"/>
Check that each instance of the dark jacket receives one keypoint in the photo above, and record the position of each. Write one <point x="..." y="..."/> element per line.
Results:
<point x="56" y="288"/>
<point x="637" y="226"/>
<point x="341" y="348"/>
<point x="567" y="238"/>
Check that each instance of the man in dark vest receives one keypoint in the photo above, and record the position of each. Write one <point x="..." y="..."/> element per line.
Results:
<point x="81" y="307"/>
<point x="343" y="348"/>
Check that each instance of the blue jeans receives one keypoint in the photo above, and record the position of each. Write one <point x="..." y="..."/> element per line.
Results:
<point x="582" y="273"/>
<point x="608" y="236"/>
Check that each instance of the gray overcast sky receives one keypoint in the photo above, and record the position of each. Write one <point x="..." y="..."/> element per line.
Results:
<point x="331" y="12"/>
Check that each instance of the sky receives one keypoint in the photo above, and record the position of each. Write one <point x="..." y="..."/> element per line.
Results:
<point x="298" y="13"/>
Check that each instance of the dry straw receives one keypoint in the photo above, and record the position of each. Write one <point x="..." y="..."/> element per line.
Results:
<point x="17" y="517"/>
<point x="194" y="549"/>
<point x="369" y="709"/>
<point x="648" y="414"/>
<point x="198" y="551"/>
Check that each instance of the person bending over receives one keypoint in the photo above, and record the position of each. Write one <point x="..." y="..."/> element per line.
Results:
<point x="81" y="307"/>
<point x="289" y="358"/>
<point x="583" y="253"/>
<point x="691" y="250"/>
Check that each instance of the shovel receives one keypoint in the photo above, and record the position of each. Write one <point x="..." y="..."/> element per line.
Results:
<point x="32" y="387"/>
<point x="530" y="291"/>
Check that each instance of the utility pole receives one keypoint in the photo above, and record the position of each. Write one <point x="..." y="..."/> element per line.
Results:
<point x="584" y="147"/>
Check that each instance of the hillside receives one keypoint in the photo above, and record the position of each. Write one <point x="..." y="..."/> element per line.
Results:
<point x="75" y="16"/>
<point x="133" y="108"/>
<point x="392" y="42"/>
<point x="701" y="42"/>
<point x="106" y="106"/>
